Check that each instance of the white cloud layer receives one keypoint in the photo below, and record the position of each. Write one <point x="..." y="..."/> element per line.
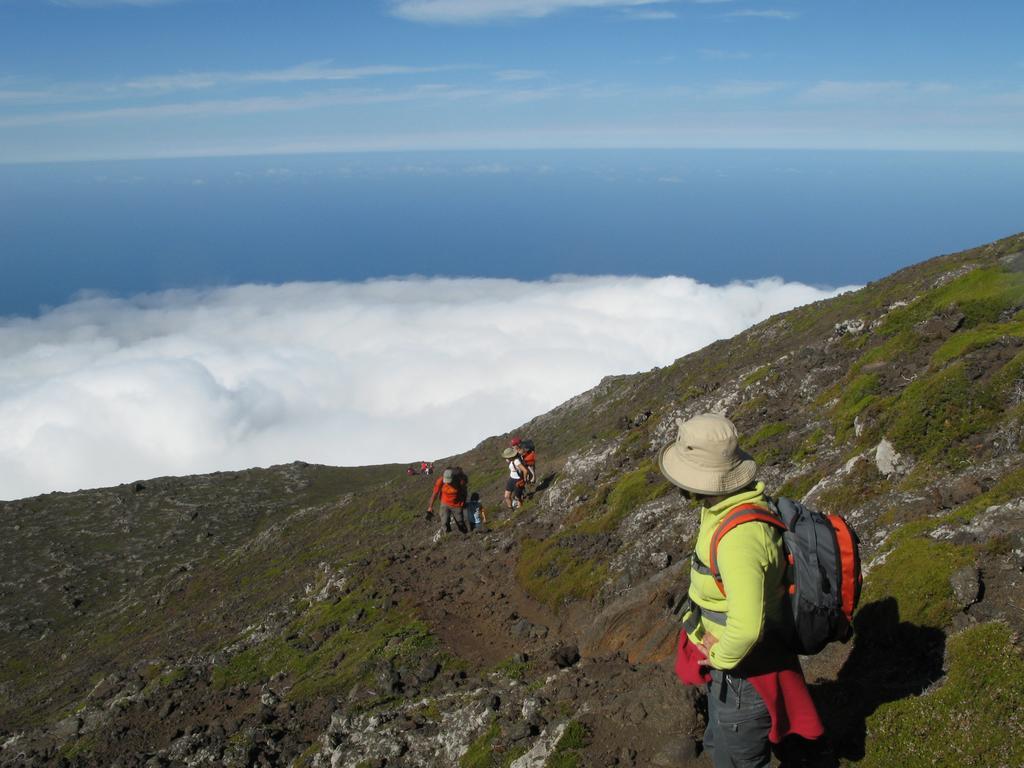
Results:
<point x="104" y="391"/>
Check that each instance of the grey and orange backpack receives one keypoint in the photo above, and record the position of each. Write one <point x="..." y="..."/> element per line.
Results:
<point x="824" y="574"/>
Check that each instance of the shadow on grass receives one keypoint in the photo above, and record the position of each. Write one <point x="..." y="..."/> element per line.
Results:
<point x="891" y="660"/>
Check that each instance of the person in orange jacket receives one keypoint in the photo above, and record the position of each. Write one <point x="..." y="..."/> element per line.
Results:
<point x="451" y="488"/>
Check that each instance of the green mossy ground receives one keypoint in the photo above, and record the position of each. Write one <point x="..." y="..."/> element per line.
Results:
<point x="481" y="753"/>
<point x="983" y="336"/>
<point x="854" y="397"/>
<point x="934" y="415"/>
<point x="566" y="753"/>
<point x="359" y="633"/>
<point x="764" y="439"/>
<point x="917" y="574"/>
<point x="629" y="492"/>
<point x="512" y="669"/>
<point x="551" y="571"/>
<point x="973" y="720"/>
<point x="810" y="446"/>
<point x="982" y="295"/>
<point x="797" y="487"/>
<point x="1007" y="488"/>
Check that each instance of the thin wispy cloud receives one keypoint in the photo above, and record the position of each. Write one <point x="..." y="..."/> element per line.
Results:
<point x="765" y="14"/>
<point x="310" y="71"/>
<point x="715" y="54"/>
<point x="1005" y="98"/>
<point x="516" y="75"/>
<point x="743" y="89"/>
<point x="487" y="169"/>
<point x="840" y="90"/>
<point x="477" y="11"/>
<point x="166" y="84"/>
<point x="248" y="106"/>
<point x="105" y="391"/>
<point x="101" y="3"/>
<point x="890" y="91"/>
<point x="649" y="15"/>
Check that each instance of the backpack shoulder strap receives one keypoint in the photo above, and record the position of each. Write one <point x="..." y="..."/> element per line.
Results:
<point x="744" y="513"/>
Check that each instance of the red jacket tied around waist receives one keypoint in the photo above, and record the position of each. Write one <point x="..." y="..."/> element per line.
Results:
<point x="784" y="693"/>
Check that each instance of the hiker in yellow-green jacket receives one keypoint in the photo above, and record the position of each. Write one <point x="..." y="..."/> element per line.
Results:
<point x="737" y="641"/>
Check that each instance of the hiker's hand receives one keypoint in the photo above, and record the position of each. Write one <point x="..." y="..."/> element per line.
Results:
<point x="706" y="644"/>
<point x="703" y="662"/>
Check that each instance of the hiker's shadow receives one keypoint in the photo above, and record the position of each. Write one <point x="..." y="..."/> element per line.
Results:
<point x="890" y="660"/>
<point x="545" y="482"/>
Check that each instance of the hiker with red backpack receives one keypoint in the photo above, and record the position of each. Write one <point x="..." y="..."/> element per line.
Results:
<point x="451" y="488"/>
<point x="755" y="599"/>
<point x="515" y="485"/>
<point x="529" y="455"/>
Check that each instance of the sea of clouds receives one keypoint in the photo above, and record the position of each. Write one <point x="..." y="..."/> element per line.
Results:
<point x="104" y="391"/>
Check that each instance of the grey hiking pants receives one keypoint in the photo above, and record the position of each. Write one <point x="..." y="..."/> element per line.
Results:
<point x="458" y="514"/>
<point x="738" y="724"/>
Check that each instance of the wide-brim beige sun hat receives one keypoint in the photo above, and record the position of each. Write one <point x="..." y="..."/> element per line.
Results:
<point x="508" y="453"/>
<point x="706" y="457"/>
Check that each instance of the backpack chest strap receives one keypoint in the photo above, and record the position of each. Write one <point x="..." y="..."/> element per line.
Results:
<point x="744" y="513"/>
<point x="698" y="565"/>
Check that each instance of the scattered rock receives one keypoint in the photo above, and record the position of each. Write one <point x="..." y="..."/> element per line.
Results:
<point x="887" y="459"/>
<point x="68" y="728"/>
<point x="520" y="630"/>
<point x="963" y="490"/>
<point x="966" y="584"/>
<point x="519" y="730"/>
<point x="428" y="671"/>
<point x="848" y="328"/>
<point x="565" y="656"/>
<point x="661" y="560"/>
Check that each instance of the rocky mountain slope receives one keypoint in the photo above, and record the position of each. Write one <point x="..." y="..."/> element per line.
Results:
<point x="311" y="616"/>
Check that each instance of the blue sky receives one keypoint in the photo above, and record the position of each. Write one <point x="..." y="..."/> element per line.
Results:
<point x="104" y="79"/>
<point x="281" y="207"/>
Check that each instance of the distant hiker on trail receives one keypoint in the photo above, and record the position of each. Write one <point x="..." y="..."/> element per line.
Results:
<point x="734" y="638"/>
<point x="529" y="456"/>
<point x="410" y="471"/>
<point x="426" y="468"/>
<point x="516" y="483"/>
<point x="475" y="513"/>
<point x="451" y="489"/>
